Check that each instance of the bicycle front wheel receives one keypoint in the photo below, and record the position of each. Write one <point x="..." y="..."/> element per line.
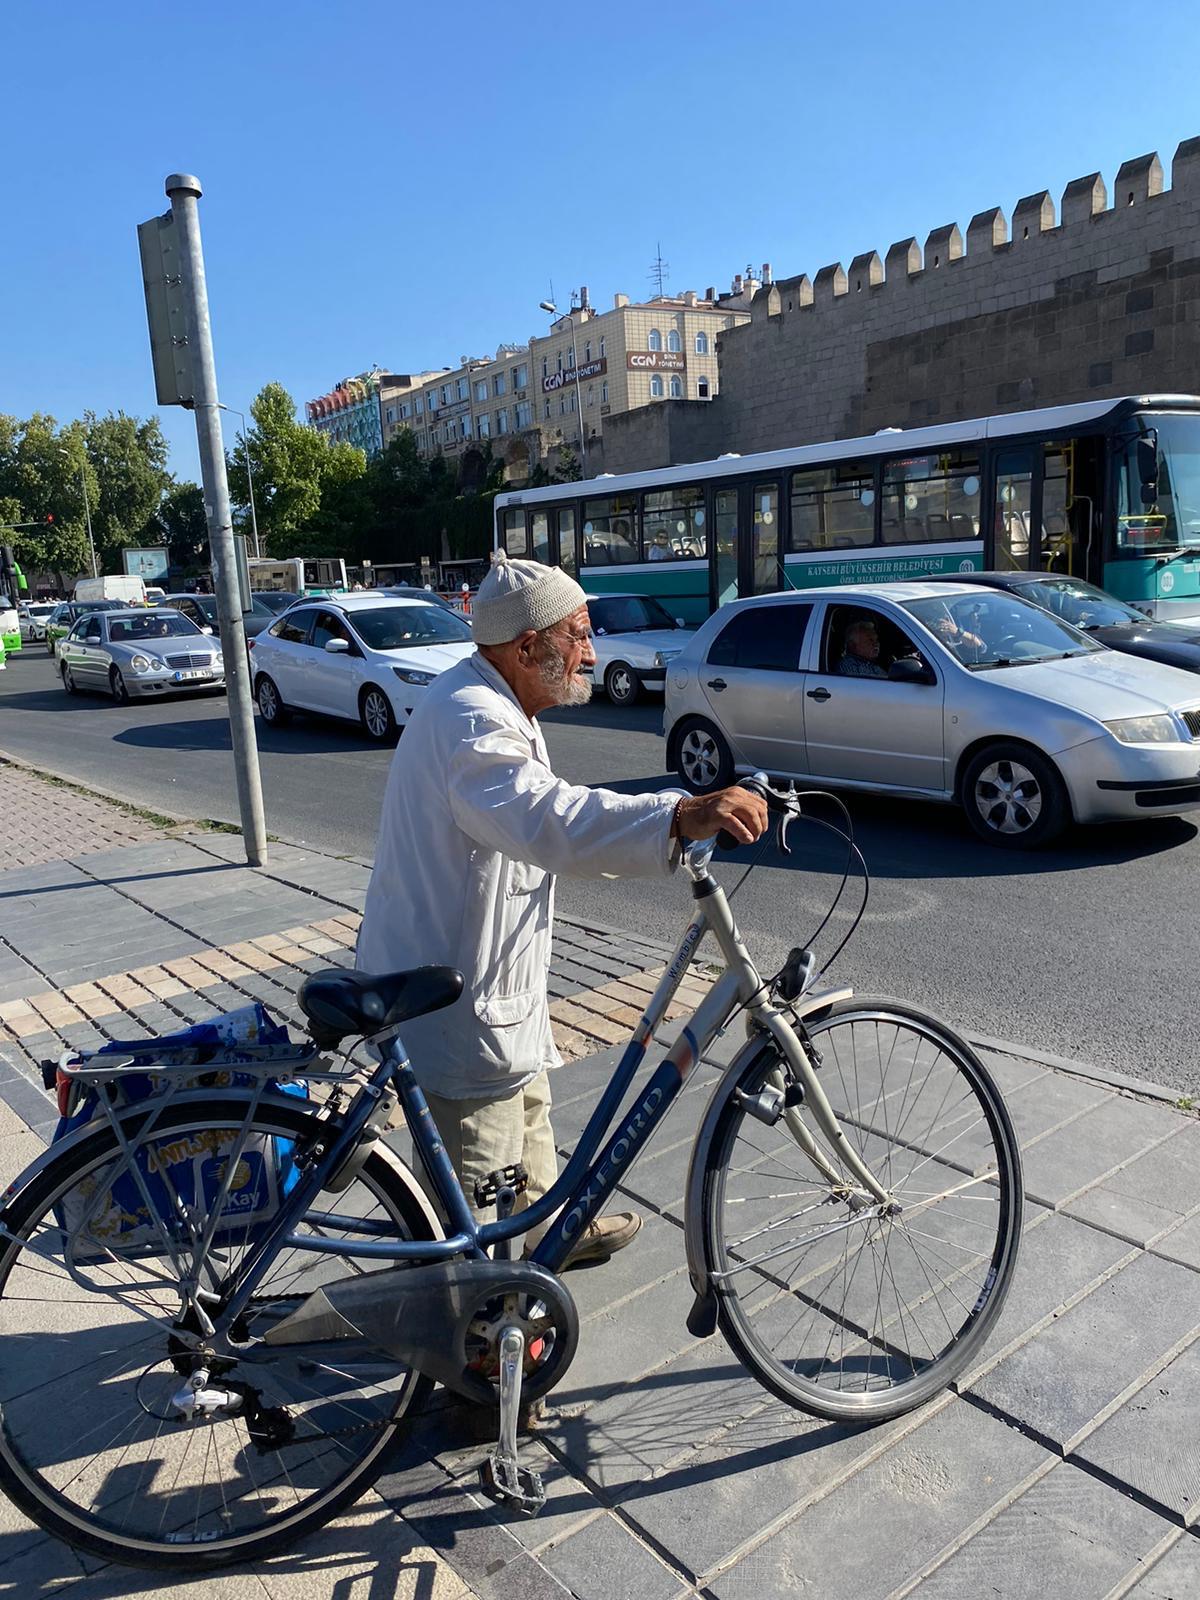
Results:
<point x="848" y="1309"/>
<point x="94" y="1445"/>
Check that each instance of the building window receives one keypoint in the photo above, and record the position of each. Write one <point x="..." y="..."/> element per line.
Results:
<point x="481" y="392"/>
<point x="604" y="393"/>
<point x="655" y="342"/>
<point x="674" y="342"/>
<point x="571" y="357"/>
<point x="464" y="425"/>
<point x="701" y="344"/>
<point x="419" y="405"/>
<point x="520" y="376"/>
<point x="676" y="388"/>
<point x="391" y="413"/>
<point x="558" y="359"/>
<point x="524" y="414"/>
<point x="484" y="425"/>
<point x="445" y="394"/>
<point x="406" y="409"/>
<point x="591" y="394"/>
<point x="587" y="350"/>
<point x="545" y="367"/>
<point x="562" y="405"/>
<point x="502" y="421"/>
<point x="656" y="387"/>
<point x="431" y="401"/>
<point x="602" y="349"/>
<point x="464" y="389"/>
<point x="702" y="389"/>
<point x="546" y="410"/>
<point x="499" y="384"/>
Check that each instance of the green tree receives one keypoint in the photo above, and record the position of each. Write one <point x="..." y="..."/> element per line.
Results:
<point x="42" y="472"/>
<point x="129" y="459"/>
<point x="181" y="524"/>
<point x="286" y="458"/>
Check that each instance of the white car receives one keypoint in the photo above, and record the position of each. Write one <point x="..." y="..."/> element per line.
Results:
<point x="358" y="656"/>
<point x="33" y="620"/>
<point x="634" y="638"/>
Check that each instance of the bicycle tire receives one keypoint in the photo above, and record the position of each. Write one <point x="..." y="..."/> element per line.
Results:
<point x="93" y="1529"/>
<point x="977" y="1214"/>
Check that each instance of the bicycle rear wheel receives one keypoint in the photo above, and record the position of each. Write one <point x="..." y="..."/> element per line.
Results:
<point x="92" y="1446"/>
<point x="837" y="1305"/>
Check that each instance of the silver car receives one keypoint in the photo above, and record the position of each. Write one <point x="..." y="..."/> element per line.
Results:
<point x="139" y="654"/>
<point x="937" y="691"/>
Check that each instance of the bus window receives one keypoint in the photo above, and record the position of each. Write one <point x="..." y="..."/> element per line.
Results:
<point x="931" y="499"/>
<point x="566" y="540"/>
<point x="1014" y="501"/>
<point x="673" y="525"/>
<point x="765" y="500"/>
<point x="540" y="521"/>
<point x="833" y="508"/>
<point x="1058" y="547"/>
<point x="610" y="531"/>
<point x="1165" y="513"/>
<point x="516" y="541"/>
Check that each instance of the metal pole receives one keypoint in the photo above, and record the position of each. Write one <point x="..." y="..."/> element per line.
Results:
<point x="184" y="191"/>
<point x="578" y="402"/>
<point x="87" y="517"/>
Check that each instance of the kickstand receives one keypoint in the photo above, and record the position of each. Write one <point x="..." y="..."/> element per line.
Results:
<point x="502" y="1477"/>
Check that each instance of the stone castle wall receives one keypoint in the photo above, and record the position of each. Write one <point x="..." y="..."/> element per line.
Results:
<point x="1102" y="300"/>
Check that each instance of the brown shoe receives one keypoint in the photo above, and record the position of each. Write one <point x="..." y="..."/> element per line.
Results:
<point x="604" y="1237"/>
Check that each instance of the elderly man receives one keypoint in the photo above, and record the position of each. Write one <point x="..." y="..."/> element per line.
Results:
<point x="475" y="825"/>
<point x="860" y="658"/>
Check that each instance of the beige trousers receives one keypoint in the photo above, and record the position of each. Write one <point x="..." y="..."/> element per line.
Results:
<point x="482" y="1135"/>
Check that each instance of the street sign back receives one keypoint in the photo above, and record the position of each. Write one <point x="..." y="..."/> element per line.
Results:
<point x="166" y="311"/>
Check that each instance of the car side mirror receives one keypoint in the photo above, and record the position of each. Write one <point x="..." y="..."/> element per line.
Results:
<point x="909" y="669"/>
<point x="206" y="630"/>
<point x="680" y="623"/>
<point x="337" y="647"/>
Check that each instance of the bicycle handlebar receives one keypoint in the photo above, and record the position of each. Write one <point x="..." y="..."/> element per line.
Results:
<point x="785" y="803"/>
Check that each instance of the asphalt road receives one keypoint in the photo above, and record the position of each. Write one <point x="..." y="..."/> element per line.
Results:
<point x="1088" y="950"/>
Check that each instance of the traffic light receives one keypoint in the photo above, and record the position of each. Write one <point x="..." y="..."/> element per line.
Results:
<point x="50" y="517"/>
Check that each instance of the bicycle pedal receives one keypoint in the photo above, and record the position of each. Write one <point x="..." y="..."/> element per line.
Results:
<point x="515" y="1178"/>
<point x="507" y="1483"/>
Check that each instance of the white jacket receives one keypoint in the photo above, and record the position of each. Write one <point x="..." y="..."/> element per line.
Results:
<point x="474" y="826"/>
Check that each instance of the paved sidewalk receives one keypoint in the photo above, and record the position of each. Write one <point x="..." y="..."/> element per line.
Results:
<point x="1066" y="1465"/>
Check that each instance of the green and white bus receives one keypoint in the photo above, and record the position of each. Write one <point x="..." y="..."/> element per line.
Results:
<point x="302" y="575"/>
<point x="1108" y="490"/>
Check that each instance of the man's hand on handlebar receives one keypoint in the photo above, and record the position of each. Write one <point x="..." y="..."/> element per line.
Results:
<point x="736" y="811"/>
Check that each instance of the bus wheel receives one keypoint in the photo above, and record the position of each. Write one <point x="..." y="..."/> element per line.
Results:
<point x="621" y="685"/>
<point x="702" y="758"/>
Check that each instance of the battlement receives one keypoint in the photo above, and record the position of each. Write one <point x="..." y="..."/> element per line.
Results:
<point x="1137" y="190"/>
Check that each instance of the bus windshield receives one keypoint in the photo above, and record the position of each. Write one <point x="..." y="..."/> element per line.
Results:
<point x="1161" y="514"/>
<point x="998" y="630"/>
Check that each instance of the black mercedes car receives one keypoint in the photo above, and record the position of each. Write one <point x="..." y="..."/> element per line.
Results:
<point x="1111" y="621"/>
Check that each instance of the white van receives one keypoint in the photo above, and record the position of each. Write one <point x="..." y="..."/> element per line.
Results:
<point x="130" y="590"/>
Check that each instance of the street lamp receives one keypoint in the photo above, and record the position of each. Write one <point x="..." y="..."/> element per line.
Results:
<point x="548" y="305"/>
<point x="233" y="410"/>
<point x="87" y="514"/>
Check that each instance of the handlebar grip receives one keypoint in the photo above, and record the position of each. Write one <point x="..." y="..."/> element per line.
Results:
<point x="725" y="840"/>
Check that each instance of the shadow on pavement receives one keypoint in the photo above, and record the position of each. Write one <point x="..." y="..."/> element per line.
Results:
<point x="306" y="737"/>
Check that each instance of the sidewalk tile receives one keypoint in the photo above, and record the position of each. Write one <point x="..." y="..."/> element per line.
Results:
<point x="1152" y="1443"/>
<point x="1176" y="1576"/>
<point x="1087" y="1150"/>
<point x="1067" y="1536"/>
<point x="1182" y="1243"/>
<point x="1150" y="1195"/>
<point x="604" y="1559"/>
<point x="890" y="1519"/>
<point x="366" y="1553"/>
<point x="1071" y="1371"/>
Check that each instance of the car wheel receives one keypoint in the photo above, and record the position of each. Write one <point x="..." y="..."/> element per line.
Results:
<point x="1013" y="797"/>
<point x="68" y="681"/>
<point x="270" y="703"/>
<point x="117" y="686"/>
<point x="702" y="758"/>
<point x="621" y="684"/>
<point x="378" y="719"/>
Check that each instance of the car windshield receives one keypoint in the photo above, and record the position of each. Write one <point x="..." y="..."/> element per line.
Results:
<point x="272" y="601"/>
<point x="403" y="627"/>
<point x="1081" y="604"/>
<point x="986" y="631"/>
<point x="39" y="610"/>
<point x="628" y="613"/>
<point x="149" y="625"/>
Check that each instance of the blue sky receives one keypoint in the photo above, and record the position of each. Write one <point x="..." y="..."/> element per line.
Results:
<point x="399" y="183"/>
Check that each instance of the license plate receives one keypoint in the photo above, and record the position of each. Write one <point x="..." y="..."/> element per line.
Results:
<point x="192" y="672"/>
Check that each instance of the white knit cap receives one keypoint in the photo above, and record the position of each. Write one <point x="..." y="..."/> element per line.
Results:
<point x="519" y="595"/>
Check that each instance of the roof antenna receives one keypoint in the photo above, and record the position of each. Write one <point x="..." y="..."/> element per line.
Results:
<point x="658" y="271"/>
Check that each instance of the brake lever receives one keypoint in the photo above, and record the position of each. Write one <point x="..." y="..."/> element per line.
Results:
<point x="781" y="829"/>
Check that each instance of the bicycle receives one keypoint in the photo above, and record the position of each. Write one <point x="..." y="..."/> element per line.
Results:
<point x="246" y="1350"/>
